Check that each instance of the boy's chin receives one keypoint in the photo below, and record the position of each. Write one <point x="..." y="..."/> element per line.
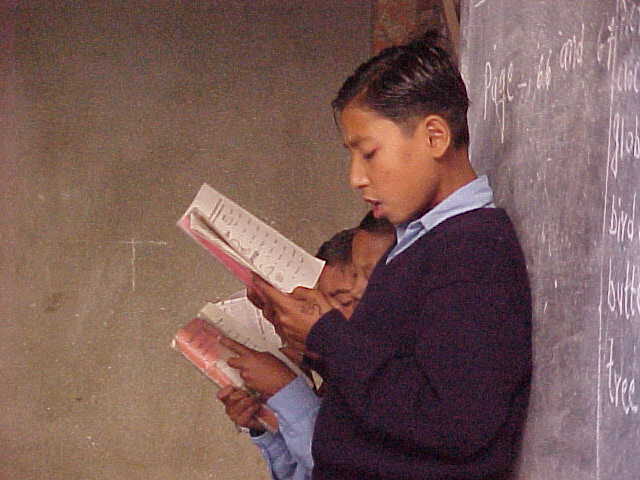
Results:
<point x="378" y="211"/>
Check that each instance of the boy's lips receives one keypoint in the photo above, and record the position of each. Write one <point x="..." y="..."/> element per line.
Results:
<point x="376" y="206"/>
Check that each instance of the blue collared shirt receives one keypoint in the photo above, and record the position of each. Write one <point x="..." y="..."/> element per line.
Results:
<point x="475" y="194"/>
<point x="288" y="451"/>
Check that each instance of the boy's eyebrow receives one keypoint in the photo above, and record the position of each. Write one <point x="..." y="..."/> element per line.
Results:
<point x="339" y="291"/>
<point x="354" y="141"/>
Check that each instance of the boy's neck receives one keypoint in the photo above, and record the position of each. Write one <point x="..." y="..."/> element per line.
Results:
<point x="457" y="170"/>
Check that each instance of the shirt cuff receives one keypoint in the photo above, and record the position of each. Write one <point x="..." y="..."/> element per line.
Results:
<point x="293" y="401"/>
<point x="265" y="440"/>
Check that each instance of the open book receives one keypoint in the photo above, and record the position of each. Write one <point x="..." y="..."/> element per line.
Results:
<point x="199" y="342"/>
<point x="238" y="319"/>
<point x="245" y="244"/>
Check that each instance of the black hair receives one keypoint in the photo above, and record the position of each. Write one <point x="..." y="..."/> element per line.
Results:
<point x="337" y="250"/>
<point x="371" y="224"/>
<point x="407" y="82"/>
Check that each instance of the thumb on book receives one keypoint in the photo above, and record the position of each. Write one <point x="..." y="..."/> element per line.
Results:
<point x="235" y="347"/>
<point x="293" y="354"/>
<point x="267" y="292"/>
<point x="224" y="392"/>
<point x="255" y="296"/>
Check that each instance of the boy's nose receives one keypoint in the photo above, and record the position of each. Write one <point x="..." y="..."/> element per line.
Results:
<point x="357" y="175"/>
<point x="359" y="286"/>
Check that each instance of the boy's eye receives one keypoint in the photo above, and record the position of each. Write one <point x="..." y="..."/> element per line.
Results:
<point x="369" y="155"/>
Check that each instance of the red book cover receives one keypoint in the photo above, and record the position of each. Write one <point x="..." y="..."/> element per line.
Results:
<point x="199" y="342"/>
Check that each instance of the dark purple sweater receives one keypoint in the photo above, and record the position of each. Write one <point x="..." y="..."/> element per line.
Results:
<point x="430" y="378"/>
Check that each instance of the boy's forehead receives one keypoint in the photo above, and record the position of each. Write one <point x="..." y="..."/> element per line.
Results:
<point x="355" y="123"/>
<point x="360" y="126"/>
<point x="367" y="242"/>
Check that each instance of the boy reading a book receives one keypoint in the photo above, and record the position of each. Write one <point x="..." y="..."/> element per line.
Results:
<point x="288" y="452"/>
<point x="337" y="277"/>
<point x="430" y="377"/>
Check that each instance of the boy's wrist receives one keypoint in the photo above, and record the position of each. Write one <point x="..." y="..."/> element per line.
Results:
<point x="294" y="401"/>
<point x="254" y="432"/>
<point x="286" y="380"/>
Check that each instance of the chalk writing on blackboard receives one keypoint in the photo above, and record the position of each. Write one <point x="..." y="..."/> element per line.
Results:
<point x="623" y="290"/>
<point x="497" y="91"/>
<point x="622" y="219"/>
<point x="619" y="310"/>
<point x="621" y="388"/>
<point x="572" y="51"/>
<point x="509" y="83"/>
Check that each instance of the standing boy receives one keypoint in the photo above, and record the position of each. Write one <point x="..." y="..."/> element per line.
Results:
<point x="430" y="377"/>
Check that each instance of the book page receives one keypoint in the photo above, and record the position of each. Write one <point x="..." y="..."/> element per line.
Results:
<point x="193" y="225"/>
<point x="263" y="250"/>
<point x="241" y="321"/>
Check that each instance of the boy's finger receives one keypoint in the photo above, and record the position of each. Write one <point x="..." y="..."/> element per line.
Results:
<point x="236" y="397"/>
<point x="235" y="362"/>
<point x="314" y="297"/>
<point x="240" y="405"/>
<point x="223" y="393"/>
<point x="292" y="354"/>
<point x="235" y="346"/>
<point x="254" y="297"/>
<point x="245" y="416"/>
<point x="297" y="345"/>
<point x="273" y="295"/>
<point x="239" y="394"/>
<point x="303" y="293"/>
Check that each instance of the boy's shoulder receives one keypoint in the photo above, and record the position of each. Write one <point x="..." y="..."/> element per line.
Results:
<point x="475" y="246"/>
<point x="472" y="229"/>
<point x="481" y="220"/>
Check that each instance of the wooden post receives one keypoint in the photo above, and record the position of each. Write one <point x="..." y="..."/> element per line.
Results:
<point x="453" y="23"/>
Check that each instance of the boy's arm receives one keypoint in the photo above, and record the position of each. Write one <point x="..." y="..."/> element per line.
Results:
<point x="241" y="409"/>
<point x="274" y="450"/>
<point x="296" y="407"/>
<point x="288" y="452"/>
<point x="450" y="391"/>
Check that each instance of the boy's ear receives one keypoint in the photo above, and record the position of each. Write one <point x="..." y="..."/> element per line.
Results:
<point x="438" y="135"/>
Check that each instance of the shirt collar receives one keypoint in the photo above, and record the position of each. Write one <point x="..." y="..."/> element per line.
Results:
<point x="475" y="194"/>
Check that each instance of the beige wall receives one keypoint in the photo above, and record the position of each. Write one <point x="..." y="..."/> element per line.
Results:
<point x="116" y="113"/>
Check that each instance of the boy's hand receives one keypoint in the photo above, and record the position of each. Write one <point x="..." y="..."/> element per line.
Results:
<point x="293" y="314"/>
<point x="293" y="354"/>
<point x="240" y="407"/>
<point x="260" y="371"/>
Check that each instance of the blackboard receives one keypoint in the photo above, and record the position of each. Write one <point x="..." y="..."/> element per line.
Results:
<point x="555" y="91"/>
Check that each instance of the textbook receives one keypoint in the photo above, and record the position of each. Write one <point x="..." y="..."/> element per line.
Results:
<point x="199" y="342"/>
<point x="236" y="318"/>
<point x="244" y="244"/>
